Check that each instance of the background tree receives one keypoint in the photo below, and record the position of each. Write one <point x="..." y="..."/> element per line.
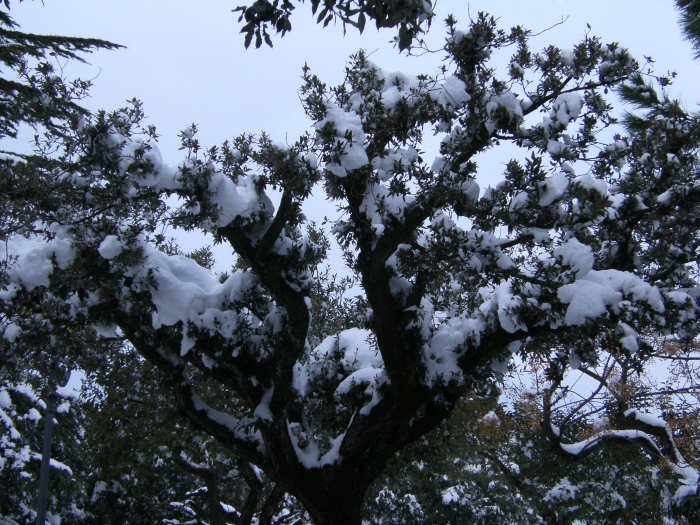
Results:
<point x="454" y="284"/>
<point x="690" y="21"/>
<point x="492" y="461"/>
<point x="494" y="466"/>
<point x="32" y="94"/>
<point x="147" y="465"/>
<point x="21" y="431"/>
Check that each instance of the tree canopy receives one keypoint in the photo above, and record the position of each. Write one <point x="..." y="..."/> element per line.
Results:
<point x="584" y="256"/>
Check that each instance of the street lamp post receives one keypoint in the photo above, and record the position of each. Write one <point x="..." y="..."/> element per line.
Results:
<point x="58" y="377"/>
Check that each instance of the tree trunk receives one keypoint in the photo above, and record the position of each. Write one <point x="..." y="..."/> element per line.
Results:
<point x="344" y="516"/>
<point x="328" y="507"/>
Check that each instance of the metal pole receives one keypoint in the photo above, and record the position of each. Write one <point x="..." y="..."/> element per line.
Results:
<point x="45" y="457"/>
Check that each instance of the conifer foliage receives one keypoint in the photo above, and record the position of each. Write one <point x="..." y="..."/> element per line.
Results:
<point x="571" y="252"/>
<point x="690" y="22"/>
<point x="33" y="94"/>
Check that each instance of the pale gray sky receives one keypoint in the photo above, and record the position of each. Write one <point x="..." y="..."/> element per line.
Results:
<point x="187" y="63"/>
<point x="185" y="60"/>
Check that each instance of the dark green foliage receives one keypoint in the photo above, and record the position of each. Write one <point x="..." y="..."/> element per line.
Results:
<point x="132" y="437"/>
<point x="263" y="17"/>
<point x="690" y="22"/>
<point x="332" y="310"/>
<point x="31" y="92"/>
<point x="499" y="469"/>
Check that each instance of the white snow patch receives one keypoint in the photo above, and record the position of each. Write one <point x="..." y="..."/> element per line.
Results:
<point x="590" y="296"/>
<point x="553" y="188"/>
<point x="35" y="257"/>
<point x="110" y="247"/>
<point x="346" y="122"/>
<point x="307" y="450"/>
<point x="567" y="107"/>
<point x="576" y="255"/>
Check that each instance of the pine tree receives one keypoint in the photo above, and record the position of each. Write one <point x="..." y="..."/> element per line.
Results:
<point x="690" y="22"/>
<point x="32" y="94"/>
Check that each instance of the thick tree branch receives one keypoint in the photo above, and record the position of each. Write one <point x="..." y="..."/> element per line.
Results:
<point x="211" y="479"/>
<point x="271" y="503"/>
<point x="255" y="487"/>
<point x="281" y="219"/>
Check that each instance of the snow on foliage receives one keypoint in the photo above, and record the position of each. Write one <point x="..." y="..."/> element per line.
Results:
<point x="21" y="428"/>
<point x="590" y="296"/>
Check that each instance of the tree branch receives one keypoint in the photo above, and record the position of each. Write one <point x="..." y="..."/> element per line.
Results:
<point x="211" y="479"/>
<point x="254" y="492"/>
<point x="270" y="505"/>
<point x="277" y="226"/>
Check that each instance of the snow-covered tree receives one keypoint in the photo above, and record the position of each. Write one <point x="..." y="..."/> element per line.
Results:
<point x="491" y="463"/>
<point x="21" y="431"/>
<point x="570" y="251"/>
<point x="33" y="94"/>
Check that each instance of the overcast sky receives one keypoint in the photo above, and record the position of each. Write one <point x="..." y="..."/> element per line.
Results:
<point x="186" y="62"/>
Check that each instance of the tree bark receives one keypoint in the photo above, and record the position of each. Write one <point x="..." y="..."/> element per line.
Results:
<point x="270" y="505"/>
<point x="336" y="516"/>
<point x="342" y="506"/>
<point x="211" y="480"/>
<point x="254" y="493"/>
